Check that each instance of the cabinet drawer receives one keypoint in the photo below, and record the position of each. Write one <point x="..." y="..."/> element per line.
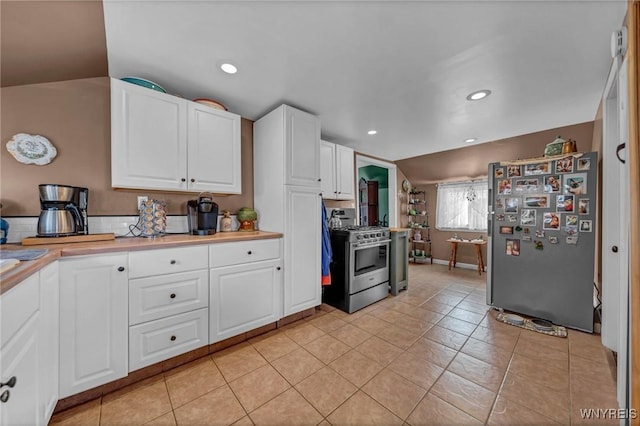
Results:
<point x="227" y="254"/>
<point x="167" y="261"/>
<point x="18" y="305"/>
<point x="162" y="339"/>
<point x="158" y="297"/>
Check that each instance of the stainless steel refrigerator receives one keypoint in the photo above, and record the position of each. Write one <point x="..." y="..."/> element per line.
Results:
<point x="541" y="228"/>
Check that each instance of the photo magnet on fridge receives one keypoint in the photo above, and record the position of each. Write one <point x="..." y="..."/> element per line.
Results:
<point x="571" y="220"/>
<point x="528" y="217"/>
<point x="499" y="173"/>
<point x="565" y="204"/>
<point x="551" y="221"/>
<point x="553" y="239"/>
<point x="575" y="183"/>
<point x="511" y="205"/>
<point x="584" y="163"/>
<point x="504" y="186"/>
<point x="586" y="226"/>
<point x="572" y="239"/>
<point x="583" y="206"/>
<point x="564" y="165"/>
<point x="513" y="171"/>
<point x="513" y="247"/>
<point x="552" y="183"/>
<point x="537" y="169"/>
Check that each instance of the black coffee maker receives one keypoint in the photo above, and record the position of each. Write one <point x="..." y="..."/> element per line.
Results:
<point x="202" y="215"/>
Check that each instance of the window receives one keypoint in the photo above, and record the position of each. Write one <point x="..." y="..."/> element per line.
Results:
<point x="462" y="206"/>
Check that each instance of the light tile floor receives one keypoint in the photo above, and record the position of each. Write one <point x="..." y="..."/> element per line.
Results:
<point x="430" y="356"/>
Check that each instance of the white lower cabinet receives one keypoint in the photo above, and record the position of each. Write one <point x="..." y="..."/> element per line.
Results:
<point x="246" y="286"/>
<point x="29" y="351"/>
<point x="168" y="312"/>
<point x="93" y="321"/>
<point x="155" y="341"/>
<point x="244" y="297"/>
<point x="20" y="394"/>
<point x="50" y="338"/>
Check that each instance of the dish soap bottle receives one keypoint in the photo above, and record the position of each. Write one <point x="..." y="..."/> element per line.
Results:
<point x="4" y="229"/>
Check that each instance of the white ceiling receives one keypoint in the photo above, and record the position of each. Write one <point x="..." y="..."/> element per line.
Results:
<point x="403" y="68"/>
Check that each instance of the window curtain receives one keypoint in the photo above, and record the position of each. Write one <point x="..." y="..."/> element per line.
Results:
<point x="462" y="206"/>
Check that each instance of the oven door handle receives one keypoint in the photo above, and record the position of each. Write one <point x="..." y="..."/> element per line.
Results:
<point x="374" y="244"/>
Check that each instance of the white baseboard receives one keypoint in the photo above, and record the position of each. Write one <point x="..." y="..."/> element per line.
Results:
<point x="472" y="266"/>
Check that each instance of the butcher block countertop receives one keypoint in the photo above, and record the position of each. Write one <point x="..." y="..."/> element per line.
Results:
<point x="13" y="276"/>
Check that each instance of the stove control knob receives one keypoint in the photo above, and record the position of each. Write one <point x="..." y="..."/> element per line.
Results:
<point x="378" y="234"/>
<point x="359" y="237"/>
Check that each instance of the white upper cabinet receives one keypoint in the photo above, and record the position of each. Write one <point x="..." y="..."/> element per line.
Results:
<point x="213" y="150"/>
<point x="328" y="169"/>
<point x="336" y="171"/>
<point x="302" y="137"/>
<point x="345" y="182"/>
<point x="162" y="142"/>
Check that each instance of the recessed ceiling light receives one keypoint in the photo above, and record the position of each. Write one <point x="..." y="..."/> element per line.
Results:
<point x="469" y="140"/>
<point x="229" y="68"/>
<point x="480" y="94"/>
<point x="372" y="132"/>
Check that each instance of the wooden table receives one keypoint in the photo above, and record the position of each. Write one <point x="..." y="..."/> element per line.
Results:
<point x="454" y="252"/>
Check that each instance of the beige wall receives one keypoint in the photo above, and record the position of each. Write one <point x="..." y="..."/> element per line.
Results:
<point x="472" y="163"/>
<point x="75" y="116"/>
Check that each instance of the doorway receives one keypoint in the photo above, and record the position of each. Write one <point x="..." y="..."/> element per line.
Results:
<point x="377" y="188"/>
<point x="615" y="223"/>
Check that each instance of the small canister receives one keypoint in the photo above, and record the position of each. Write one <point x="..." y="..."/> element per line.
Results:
<point x="226" y="221"/>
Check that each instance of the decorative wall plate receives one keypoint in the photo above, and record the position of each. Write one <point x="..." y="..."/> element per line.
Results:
<point x="406" y="186"/>
<point x="31" y="149"/>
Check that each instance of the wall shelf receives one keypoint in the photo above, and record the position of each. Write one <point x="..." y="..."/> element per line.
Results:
<point x="420" y="248"/>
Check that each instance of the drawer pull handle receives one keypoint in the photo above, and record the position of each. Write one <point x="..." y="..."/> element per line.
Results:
<point x="183" y="179"/>
<point x="173" y="262"/>
<point x="192" y="180"/>
<point x="173" y="295"/>
<point x="5" y="396"/>
<point x="173" y="338"/>
<point x="249" y="252"/>
<point x="11" y="382"/>
<point x="121" y="268"/>
<point x="278" y="268"/>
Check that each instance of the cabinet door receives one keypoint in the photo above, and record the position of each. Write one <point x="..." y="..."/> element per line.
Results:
<point x="244" y="297"/>
<point x="19" y="358"/>
<point x="344" y="173"/>
<point x="93" y="322"/>
<point x="302" y="241"/>
<point x="328" y="169"/>
<point x="20" y="353"/>
<point x="214" y="150"/>
<point x="148" y="138"/>
<point x="302" y="148"/>
<point x="49" y="338"/>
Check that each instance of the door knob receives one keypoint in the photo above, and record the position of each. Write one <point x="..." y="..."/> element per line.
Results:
<point x="278" y="268"/>
<point x="173" y="262"/>
<point x="183" y="179"/>
<point x="173" y="338"/>
<point x="121" y="268"/>
<point x="5" y="396"/>
<point x="614" y="249"/>
<point x="193" y="180"/>
<point x="173" y="295"/>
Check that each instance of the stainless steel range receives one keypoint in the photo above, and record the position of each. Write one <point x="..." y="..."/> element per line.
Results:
<point x="360" y="267"/>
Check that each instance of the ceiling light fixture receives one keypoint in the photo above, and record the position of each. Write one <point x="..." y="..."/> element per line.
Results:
<point x="229" y="68"/>
<point x="480" y="94"/>
<point x="372" y="132"/>
<point x="469" y="140"/>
